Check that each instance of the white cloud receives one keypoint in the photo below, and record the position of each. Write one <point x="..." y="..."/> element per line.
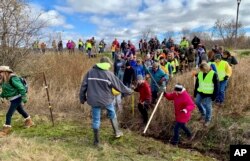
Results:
<point x="128" y="18"/>
<point x="104" y="7"/>
<point x="52" y="17"/>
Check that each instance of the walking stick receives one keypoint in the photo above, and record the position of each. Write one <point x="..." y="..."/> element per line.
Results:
<point x="133" y="104"/>
<point x="47" y="91"/>
<point x="159" y="100"/>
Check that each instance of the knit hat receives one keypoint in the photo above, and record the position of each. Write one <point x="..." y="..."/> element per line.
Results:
<point x="5" y="69"/>
<point x="127" y="64"/>
<point x="139" y="77"/>
<point x="217" y="56"/>
<point x="178" y="87"/>
<point x="106" y="60"/>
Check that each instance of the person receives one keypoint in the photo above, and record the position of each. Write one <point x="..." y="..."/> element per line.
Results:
<point x="89" y="48"/>
<point x="200" y="52"/>
<point x="69" y="46"/>
<point x="145" y="47"/>
<point x="98" y="83"/>
<point x="183" y="105"/>
<point x="224" y="72"/>
<point x="102" y="46"/>
<point x="13" y="90"/>
<point x="206" y="90"/>
<point x="170" y="43"/>
<point x="129" y="75"/>
<point x="191" y="52"/>
<point x="123" y="47"/>
<point x="183" y="63"/>
<point x="184" y="44"/>
<point x="43" y="47"/>
<point x="195" y="42"/>
<point x="80" y="45"/>
<point x="148" y="62"/>
<point x="119" y="62"/>
<point x="60" y="46"/>
<point x="113" y="49"/>
<point x="226" y="56"/>
<point x="158" y="80"/>
<point x="145" y="97"/>
<point x="54" y="46"/>
<point x="139" y="70"/>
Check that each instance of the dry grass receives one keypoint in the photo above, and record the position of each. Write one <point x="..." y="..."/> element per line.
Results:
<point x="14" y="148"/>
<point x="64" y="74"/>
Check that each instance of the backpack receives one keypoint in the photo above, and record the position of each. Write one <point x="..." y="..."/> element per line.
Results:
<point x="23" y="81"/>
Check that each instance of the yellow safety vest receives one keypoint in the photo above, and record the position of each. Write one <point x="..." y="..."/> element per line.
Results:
<point x="221" y="69"/>
<point x="206" y="85"/>
<point x="89" y="45"/>
<point x="173" y="63"/>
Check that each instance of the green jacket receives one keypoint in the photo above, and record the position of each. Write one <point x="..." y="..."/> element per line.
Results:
<point x="18" y="88"/>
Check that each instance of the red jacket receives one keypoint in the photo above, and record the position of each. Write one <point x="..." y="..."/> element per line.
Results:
<point x="181" y="101"/>
<point x="145" y="91"/>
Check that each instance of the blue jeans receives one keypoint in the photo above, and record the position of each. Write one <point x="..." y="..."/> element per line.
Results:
<point x="221" y="93"/>
<point x="177" y="126"/>
<point x="96" y="115"/>
<point x="205" y="106"/>
<point x="15" y="105"/>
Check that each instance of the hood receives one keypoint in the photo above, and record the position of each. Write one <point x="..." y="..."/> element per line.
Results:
<point x="103" y="66"/>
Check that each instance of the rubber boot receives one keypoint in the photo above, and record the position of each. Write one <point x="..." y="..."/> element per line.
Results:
<point x="96" y="137"/>
<point x="115" y="126"/>
<point x="5" y="131"/>
<point x="28" y="122"/>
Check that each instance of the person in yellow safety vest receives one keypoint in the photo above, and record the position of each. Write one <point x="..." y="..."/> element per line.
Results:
<point x="80" y="45"/>
<point x="184" y="44"/>
<point x="206" y="89"/>
<point x="171" y="65"/>
<point x="224" y="71"/>
<point x="89" y="48"/>
<point x="162" y="65"/>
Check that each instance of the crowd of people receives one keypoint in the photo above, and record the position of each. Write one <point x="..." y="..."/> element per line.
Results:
<point x="89" y="46"/>
<point x="148" y="74"/>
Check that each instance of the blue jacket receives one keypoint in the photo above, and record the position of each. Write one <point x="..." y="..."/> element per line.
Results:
<point x="139" y="70"/>
<point x="132" y="63"/>
<point x="157" y="76"/>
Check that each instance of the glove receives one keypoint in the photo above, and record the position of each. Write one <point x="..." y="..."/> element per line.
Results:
<point x="184" y="110"/>
<point x="24" y="99"/>
<point x="163" y="89"/>
<point x="162" y="79"/>
<point x="226" y="77"/>
<point x="132" y="86"/>
<point x="84" y="100"/>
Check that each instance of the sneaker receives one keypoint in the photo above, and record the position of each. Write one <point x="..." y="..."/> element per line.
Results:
<point x="119" y="134"/>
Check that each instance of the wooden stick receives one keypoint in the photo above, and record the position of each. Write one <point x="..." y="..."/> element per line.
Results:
<point x="157" y="104"/>
<point x="47" y="91"/>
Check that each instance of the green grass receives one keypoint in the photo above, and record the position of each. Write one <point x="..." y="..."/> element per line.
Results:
<point x="74" y="140"/>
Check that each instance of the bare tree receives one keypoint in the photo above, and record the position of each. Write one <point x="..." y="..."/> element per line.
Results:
<point x="147" y="33"/>
<point x="169" y="34"/>
<point x="225" y="29"/>
<point x="18" y="28"/>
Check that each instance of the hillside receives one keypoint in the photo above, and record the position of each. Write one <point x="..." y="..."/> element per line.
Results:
<point x="71" y="138"/>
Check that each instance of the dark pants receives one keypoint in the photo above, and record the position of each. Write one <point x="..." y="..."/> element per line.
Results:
<point x="143" y="108"/>
<point x="154" y="96"/>
<point x="177" y="126"/>
<point x="15" y="105"/>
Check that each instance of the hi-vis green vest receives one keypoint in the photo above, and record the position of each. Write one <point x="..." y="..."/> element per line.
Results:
<point x="173" y="63"/>
<point x="167" y="65"/>
<point x="221" y="69"/>
<point x="206" y="85"/>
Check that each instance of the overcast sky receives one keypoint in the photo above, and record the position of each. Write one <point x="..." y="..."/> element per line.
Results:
<point x="127" y="19"/>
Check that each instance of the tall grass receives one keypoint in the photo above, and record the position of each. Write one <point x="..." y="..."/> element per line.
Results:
<point x="64" y="74"/>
